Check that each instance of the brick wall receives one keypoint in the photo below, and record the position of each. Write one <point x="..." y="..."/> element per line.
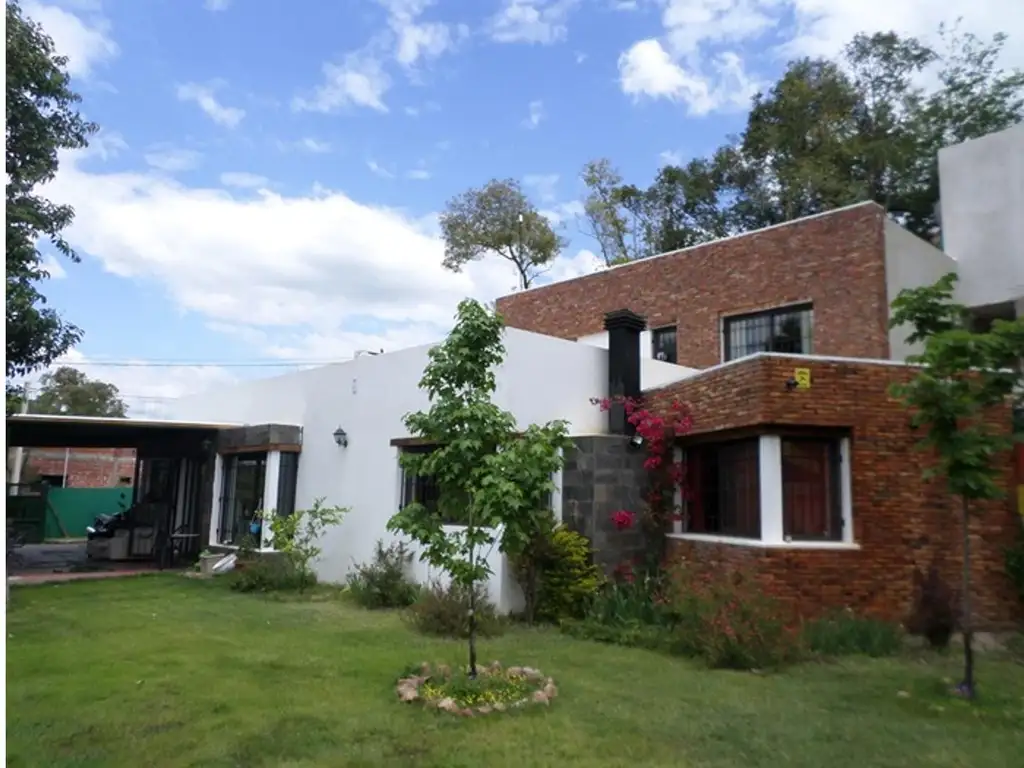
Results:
<point x="87" y="467"/>
<point x="836" y="261"/>
<point x="900" y="521"/>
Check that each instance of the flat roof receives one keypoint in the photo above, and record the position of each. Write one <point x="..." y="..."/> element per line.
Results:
<point x="36" y="430"/>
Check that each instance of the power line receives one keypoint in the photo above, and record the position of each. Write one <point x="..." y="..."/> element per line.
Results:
<point x="202" y="364"/>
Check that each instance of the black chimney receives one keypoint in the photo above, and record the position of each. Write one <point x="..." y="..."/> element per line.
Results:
<point x="624" y="329"/>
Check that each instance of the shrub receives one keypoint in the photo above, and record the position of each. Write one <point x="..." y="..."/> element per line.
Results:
<point x="934" y="613"/>
<point x="844" y="633"/>
<point x="630" y="601"/>
<point x="269" y="573"/>
<point x="382" y="582"/>
<point x="296" y="537"/>
<point x="569" y="580"/>
<point x="728" y="621"/>
<point x="444" y="610"/>
<point x="1015" y="564"/>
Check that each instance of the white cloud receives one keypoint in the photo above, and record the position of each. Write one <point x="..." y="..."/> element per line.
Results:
<point x="543" y="183"/>
<point x="54" y="267"/>
<point x="359" y="80"/>
<point x="670" y="157"/>
<point x="580" y="57"/>
<point x="536" y="114"/>
<point x="379" y="170"/>
<point x="418" y="174"/>
<point x="416" y="40"/>
<point x="243" y="179"/>
<point x="700" y="56"/>
<point x="531" y="21"/>
<point x="203" y="96"/>
<point x="648" y="70"/>
<point x="85" y="42"/>
<point x="299" y="269"/>
<point x="562" y="213"/>
<point x="173" y="159"/>
<point x="217" y="5"/>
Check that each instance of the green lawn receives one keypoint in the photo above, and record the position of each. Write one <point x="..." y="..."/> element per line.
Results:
<point x="164" y="671"/>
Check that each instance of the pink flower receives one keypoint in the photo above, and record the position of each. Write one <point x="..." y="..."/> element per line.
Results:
<point x="623" y="519"/>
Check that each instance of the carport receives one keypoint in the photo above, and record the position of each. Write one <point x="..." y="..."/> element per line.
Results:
<point x="174" y="473"/>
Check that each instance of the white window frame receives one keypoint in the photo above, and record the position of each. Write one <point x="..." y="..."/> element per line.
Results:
<point x="271" y="480"/>
<point x="772" y="536"/>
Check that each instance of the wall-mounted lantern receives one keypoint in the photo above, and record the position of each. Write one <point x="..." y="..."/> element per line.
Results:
<point x="341" y="437"/>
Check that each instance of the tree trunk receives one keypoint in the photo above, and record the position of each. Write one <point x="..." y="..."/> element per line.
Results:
<point x="966" y="687"/>
<point x="472" y="630"/>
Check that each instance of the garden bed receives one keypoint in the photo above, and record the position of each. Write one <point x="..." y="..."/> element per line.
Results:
<point x="495" y="689"/>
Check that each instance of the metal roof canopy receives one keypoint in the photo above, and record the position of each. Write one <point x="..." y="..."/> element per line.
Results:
<point x="30" y="430"/>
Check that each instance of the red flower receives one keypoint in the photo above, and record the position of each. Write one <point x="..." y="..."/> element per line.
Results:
<point x="623" y="519"/>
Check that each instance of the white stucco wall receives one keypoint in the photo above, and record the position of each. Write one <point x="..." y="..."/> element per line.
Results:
<point x="653" y="373"/>
<point x="910" y="262"/>
<point x="542" y="379"/>
<point x="981" y="184"/>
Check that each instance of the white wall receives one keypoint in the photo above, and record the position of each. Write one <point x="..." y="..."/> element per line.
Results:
<point x="653" y="373"/>
<point x="981" y="184"/>
<point x="542" y="379"/>
<point x="910" y="262"/>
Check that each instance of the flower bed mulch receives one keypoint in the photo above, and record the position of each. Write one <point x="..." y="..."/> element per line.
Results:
<point x="494" y="689"/>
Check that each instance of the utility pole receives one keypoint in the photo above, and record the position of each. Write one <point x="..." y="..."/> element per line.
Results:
<point x="19" y="452"/>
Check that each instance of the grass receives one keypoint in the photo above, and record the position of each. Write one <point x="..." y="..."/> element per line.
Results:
<point x="165" y="671"/>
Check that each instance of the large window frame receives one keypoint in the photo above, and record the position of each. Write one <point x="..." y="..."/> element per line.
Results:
<point x="271" y="489"/>
<point x="664" y="344"/>
<point x="827" y="525"/>
<point x="725" y="484"/>
<point x="788" y="329"/>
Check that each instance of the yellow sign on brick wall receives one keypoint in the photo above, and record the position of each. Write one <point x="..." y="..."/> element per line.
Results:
<point x="802" y="376"/>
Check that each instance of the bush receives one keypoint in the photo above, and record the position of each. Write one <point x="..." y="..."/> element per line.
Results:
<point x="934" y="613"/>
<point x="631" y="601"/>
<point x="383" y="583"/>
<point x="444" y="611"/>
<point x="1015" y="564"/>
<point x="270" y="573"/>
<point x="569" y="580"/>
<point x="843" y="634"/>
<point x="728" y="621"/>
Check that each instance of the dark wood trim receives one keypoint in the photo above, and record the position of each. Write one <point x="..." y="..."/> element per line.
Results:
<point x="409" y="442"/>
<point x="265" y="448"/>
<point x="781" y="430"/>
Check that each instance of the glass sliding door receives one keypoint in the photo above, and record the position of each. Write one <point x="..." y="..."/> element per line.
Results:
<point x="244" y="479"/>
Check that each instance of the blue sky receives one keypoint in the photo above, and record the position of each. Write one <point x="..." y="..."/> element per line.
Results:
<point x="268" y="174"/>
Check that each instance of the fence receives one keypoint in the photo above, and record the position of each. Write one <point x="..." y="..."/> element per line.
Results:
<point x="70" y="510"/>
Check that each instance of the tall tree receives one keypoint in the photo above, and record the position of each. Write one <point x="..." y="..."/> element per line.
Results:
<point x="41" y="120"/>
<point x="607" y="214"/>
<point x="489" y="474"/>
<point x="499" y="219"/>
<point x="70" y="392"/>
<point x="964" y="374"/>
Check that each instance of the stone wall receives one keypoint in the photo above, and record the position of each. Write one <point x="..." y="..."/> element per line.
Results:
<point x="604" y="474"/>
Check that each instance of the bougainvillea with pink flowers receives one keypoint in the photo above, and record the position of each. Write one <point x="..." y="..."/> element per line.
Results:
<point x="665" y="473"/>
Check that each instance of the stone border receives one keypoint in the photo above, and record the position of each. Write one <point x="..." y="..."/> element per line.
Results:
<point x="408" y="689"/>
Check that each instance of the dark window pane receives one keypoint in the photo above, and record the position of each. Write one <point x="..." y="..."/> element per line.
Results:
<point x="244" y="476"/>
<point x="725" y="489"/>
<point x="425" y="490"/>
<point x="811" y="490"/>
<point x="663" y="342"/>
<point x="787" y="330"/>
<point x="286" y="480"/>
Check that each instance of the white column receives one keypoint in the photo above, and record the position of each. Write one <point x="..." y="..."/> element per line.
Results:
<point x="677" y="494"/>
<point x="217" y="501"/>
<point x="846" y="481"/>
<point x="771" y="489"/>
<point x="271" y="481"/>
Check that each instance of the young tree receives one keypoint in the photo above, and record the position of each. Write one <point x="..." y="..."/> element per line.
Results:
<point x="964" y="374"/>
<point x="70" y="392"/>
<point x="41" y="120"/>
<point x="498" y="218"/>
<point x="489" y="474"/>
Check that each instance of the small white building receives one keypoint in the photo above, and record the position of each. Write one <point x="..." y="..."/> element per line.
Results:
<point x="352" y="431"/>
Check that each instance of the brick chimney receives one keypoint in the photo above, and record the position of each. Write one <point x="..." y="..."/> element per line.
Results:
<point x="624" y="328"/>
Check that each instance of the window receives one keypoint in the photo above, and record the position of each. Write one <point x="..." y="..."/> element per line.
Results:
<point x="787" y="329"/>
<point x="286" y="479"/>
<point x="663" y="344"/>
<point x="244" y="478"/>
<point x="811" y="489"/>
<point x="725" y="489"/>
<point x="423" y="489"/>
<point x="54" y="481"/>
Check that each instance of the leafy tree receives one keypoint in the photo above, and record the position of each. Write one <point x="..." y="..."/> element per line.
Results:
<point x="964" y="375"/>
<point x="488" y="473"/>
<point x="499" y="219"/>
<point x="41" y="120"/>
<point x="297" y="536"/>
<point x="609" y="221"/>
<point x="70" y="392"/>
